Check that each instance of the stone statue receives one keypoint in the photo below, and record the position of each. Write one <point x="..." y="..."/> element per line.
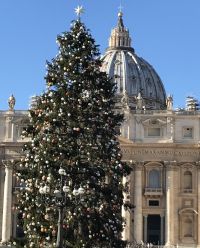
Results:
<point x="139" y="101"/>
<point x="125" y="100"/>
<point x="169" y="102"/>
<point x="11" y="102"/>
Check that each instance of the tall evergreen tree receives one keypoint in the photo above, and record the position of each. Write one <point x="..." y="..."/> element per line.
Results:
<point x="74" y="153"/>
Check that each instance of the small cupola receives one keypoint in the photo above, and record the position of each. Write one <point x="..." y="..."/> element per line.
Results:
<point x="120" y="35"/>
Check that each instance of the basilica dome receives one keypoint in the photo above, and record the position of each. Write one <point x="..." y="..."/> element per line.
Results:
<point x="134" y="76"/>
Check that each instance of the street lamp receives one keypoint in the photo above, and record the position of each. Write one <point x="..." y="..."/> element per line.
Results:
<point x="61" y="197"/>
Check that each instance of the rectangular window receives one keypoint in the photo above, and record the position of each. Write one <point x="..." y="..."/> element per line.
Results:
<point x="153" y="203"/>
<point x="187" y="132"/>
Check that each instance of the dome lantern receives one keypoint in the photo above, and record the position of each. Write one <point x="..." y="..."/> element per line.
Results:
<point x="120" y="35"/>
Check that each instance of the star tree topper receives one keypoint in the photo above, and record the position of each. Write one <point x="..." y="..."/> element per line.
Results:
<point x="79" y="10"/>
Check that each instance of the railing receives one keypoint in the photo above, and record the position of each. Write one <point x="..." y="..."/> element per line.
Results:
<point x="174" y="112"/>
<point x="18" y="112"/>
<point x="153" y="191"/>
<point x="187" y="191"/>
<point x="144" y="245"/>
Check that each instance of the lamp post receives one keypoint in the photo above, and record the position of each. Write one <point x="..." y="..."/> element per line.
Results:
<point x="61" y="199"/>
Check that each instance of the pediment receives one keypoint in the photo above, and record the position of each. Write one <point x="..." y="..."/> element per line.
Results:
<point x="154" y="122"/>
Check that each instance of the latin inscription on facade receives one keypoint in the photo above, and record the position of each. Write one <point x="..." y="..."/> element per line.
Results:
<point x="165" y="154"/>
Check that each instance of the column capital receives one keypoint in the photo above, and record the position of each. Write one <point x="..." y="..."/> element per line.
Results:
<point x="9" y="117"/>
<point x="8" y="164"/>
<point x="138" y="165"/>
<point x="171" y="165"/>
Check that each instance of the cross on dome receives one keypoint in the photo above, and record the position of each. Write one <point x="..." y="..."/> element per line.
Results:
<point x="120" y="10"/>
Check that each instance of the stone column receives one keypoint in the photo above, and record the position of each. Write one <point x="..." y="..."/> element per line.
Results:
<point x="145" y="228"/>
<point x="127" y="213"/>
<point x="7" y="202"/>
<point x="131" y="213"/>
<point x="138" y="217"/>
<point x="198" y="202"/>
<point x="169" y="216"/>
<point x="161" y="229"/>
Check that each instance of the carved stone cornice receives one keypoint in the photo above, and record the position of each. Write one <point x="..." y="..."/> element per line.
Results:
<point x="168" y="163"/>
<point x="155" y="122"/>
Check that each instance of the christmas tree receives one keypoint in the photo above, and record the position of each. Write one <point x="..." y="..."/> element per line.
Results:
<point x="72" y="171"/>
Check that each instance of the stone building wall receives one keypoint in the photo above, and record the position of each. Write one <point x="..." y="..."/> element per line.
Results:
<point x="165" y="143"/>
<point x="11" y="125"/>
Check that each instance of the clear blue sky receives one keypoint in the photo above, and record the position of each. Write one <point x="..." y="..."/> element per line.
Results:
<point x="165" y="32"/>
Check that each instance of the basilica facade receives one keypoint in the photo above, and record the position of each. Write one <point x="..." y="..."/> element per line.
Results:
<point x="162" y="145"/>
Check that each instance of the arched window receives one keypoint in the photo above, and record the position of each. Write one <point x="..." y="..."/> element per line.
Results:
<point x="188" y="180"/>
<point x="154" y="179"/>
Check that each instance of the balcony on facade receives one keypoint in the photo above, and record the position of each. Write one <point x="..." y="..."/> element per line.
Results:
<point x="188" y="191"/>
<point x="153" y="191"/>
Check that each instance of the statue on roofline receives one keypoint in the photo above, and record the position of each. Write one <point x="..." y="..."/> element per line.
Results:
<point x="11" y="102"/>
<point x="140" y="103"/>
<point x="169" y="102"/>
